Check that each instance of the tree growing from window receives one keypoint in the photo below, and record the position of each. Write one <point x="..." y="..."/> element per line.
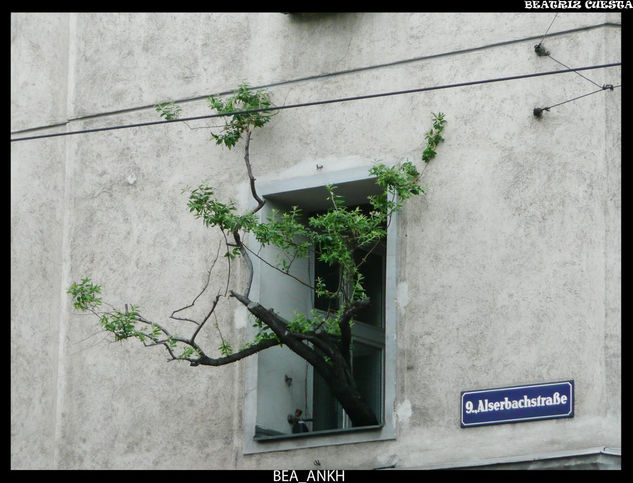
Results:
<point x="324" y="338"/>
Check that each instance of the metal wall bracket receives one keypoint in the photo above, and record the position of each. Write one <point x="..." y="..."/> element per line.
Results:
<point x="538" y="111"/>
<point x="540" y="50"/>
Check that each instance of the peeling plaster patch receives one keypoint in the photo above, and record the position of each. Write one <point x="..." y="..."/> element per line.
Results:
<point x="402" y="295"/>
<point x="240" y="317"/>
<point x="403" y="411"/>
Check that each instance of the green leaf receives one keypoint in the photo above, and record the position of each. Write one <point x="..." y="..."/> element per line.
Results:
<point x="168" y="110"/>
<point x="237" y="122"/>
<point x="84" y="295"/>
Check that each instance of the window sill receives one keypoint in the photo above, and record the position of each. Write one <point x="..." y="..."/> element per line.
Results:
<point x="315" y="439"/>
<point x="313" y="434"/>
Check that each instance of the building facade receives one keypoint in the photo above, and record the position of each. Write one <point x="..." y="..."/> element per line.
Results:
<point x="505" y="274"/>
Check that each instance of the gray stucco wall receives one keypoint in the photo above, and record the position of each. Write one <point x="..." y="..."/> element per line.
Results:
<point x="510" y="266"/>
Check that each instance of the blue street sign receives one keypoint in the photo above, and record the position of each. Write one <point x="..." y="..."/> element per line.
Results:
<point x="517" y="403"/>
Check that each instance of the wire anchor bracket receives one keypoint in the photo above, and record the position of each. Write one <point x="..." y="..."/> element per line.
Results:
<point x="538" y="111"/>
<point x="540" y="50"/>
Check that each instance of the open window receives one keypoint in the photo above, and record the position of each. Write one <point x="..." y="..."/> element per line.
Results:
<point x="287" y="402"/>
<point x="368" y="337"/>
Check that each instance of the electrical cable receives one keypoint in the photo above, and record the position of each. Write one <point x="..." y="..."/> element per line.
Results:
<point x="328" y="101"/>
<point x="538" y="111"/>
<point x="543" y="52"/>
<point x="550" y="26"/>
<point x="333" y="74"/>
<point x="586" y="78"/>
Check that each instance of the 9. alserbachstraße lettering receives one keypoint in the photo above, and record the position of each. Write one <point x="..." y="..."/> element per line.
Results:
<point x="484" y="405"/>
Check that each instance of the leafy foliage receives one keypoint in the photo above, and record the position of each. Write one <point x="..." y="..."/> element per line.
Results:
<point x="168" y="110"/>
<point x="334" y="237"/>
<point x="433" y="137"/>
<point x="85" y="295"/>
<point x="217" y="213"/>
<point x="122" y="324"/>
<point x="225" y="348"/>
<point x="263" y="333"/>
<point x="243" y="99"/>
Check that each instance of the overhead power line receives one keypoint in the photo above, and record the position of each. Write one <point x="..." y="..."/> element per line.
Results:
<point x="550" y="26"/>
<point x="584" y="77"/>
<point x="323" y="102"/>
<point x="353" y="70"/>
<point x="538" y="111"/>
<point x="543" y="52"/>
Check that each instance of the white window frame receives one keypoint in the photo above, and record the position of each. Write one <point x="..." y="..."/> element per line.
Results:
<point x="386" y="430"/>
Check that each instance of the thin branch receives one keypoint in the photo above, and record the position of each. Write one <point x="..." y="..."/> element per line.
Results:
<point x="220" y="361"/>
<point x="247" y="259"/>
<point x="346" y="330"/>
<point x="170" y="339"/>
<point x="277" y="268"/>
<point x="280" y="328"/>
<point x="217" y="327"/>
<point x="185" y="319"/>
<point x="143" y="320"/>
<point x="260" y="202"/>
<point x="214" y="305"/>
<point x="228" y="276"/>
<point x="206" y="285"/>
<point x="369" y="252"/>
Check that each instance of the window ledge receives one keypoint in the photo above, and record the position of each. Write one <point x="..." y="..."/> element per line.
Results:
<point x="315" y="439"/>
<point x="312" y="434"/>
